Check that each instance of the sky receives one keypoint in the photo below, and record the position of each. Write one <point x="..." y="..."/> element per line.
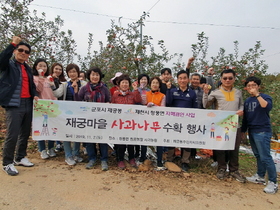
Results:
<point x="177" y="22"/>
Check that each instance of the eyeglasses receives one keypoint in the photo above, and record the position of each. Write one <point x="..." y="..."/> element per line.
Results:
<point x="227" y="78"/>
<point x="22" y="50"/>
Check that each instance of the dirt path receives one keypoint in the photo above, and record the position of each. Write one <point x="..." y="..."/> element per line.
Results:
<point x="51" y="184"/>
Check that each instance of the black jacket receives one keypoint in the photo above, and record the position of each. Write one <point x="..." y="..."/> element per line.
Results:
<point x="10" y="73"/>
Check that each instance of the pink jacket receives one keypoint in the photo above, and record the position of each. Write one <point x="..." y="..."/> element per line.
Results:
<point x="43" y="88"/>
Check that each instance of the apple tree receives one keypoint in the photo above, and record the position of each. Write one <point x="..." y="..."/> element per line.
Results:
<point x="124" y="52"/>
<point x="46" y="37"/>
<point x="245" y="65"/>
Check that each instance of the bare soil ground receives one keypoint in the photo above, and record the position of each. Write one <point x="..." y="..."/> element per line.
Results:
<point x="51" y="184"/>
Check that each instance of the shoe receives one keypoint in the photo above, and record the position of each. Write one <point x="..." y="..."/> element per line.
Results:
<point x="221" y="173"/>
<point x="214" y="164"/>
<point x="10" y="170"/>
<point x="78" y="159"/>
<point x="197" y="157"/>
<point x="238" y="176"/>
<point x="58" y="148"/>
<point x="160" y="167"/>
<point x="141" y="160"/>
<point x="90" y="164"/>
<point x="256" y="179"/>
<point x="44" y="155"/>
<point x="271" y="188"/>
<point x="185" y="167"/>
<point x="51" y="152"/>
<point x="132" y="162"/>
<point x="24" y="162"/>
<point x="70" y="161"/>
<point x="104" y="165"/>
<point x="121" y="165"/>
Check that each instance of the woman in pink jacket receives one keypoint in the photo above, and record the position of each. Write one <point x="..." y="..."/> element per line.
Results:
<point x="43" y="87"/>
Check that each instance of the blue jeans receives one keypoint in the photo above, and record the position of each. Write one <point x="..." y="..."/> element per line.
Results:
<point x="42" y="145"/>
<point x="68" y="149"/>
<point x="91" y="150"/>
<point x="260" y="143"/>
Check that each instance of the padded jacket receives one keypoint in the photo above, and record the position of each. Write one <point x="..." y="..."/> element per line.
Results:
<point x="10" y="75"/>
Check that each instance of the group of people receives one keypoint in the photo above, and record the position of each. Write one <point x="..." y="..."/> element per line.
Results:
<point x="19" y="85"/>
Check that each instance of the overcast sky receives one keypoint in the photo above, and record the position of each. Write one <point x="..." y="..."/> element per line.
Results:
<point x="255" y="18"/>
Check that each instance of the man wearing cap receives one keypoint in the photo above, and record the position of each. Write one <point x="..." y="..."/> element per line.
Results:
<point x="17" y="91"/>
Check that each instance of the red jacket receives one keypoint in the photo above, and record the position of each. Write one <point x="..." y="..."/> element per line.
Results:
<point x="130" y="98"/>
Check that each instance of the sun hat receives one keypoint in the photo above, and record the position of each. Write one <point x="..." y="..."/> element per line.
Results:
<point x="116" y="76"/>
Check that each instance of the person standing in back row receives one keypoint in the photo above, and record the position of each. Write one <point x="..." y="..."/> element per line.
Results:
<point x="17" y="91"/>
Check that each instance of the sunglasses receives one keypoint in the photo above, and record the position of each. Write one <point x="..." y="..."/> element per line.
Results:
<point x="227" y="78"/>
<point x="22" y="50"/>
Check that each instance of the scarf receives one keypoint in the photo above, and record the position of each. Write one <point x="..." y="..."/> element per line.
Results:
<point x="124" y="93"/>
<point x="95" y="92"/>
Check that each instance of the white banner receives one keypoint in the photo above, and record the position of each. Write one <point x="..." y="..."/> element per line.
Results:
<point x="133" y="124"/>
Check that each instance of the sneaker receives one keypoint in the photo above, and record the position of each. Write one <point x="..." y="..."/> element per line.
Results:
<point x="197" y="157"/>
<point x="51" y="152"/>
<point x="70" y="161"/>
<point x="214" y="164"/>
<point x="10" y="170"/>
<point x="238" y="176"/>
<point x="90" y="164"/>
<point x="58" y="148"/>
<point x="160" y="167"/>
<point x="132" y="162"/>
<point x="78" y="159"/>
<point x="104" y="165"/>
<point x="271" y="188"/>
<point x="185" y="167"/>
<point x="44" y="155"/>
<point x="121" y="165"/>
<point x="24" y="162"/>
<point x="256" y="179"/>
<point x="221" y="173"/>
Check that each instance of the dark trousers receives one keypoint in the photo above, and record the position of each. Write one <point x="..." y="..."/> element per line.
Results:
<point x="233" y="155"/>
<point x="137" y="151"/>
<point x="193" y="152"/>
<point x="92" y="151"/>
<point x="120" y="150"/>
<point x="18" y="122"/>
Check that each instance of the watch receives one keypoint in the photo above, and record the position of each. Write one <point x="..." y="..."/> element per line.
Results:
<point x="258" y="96"/>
